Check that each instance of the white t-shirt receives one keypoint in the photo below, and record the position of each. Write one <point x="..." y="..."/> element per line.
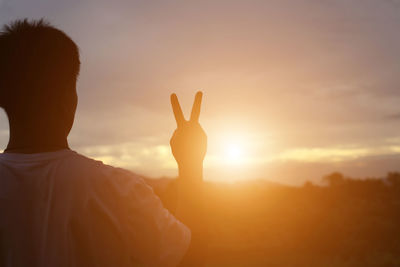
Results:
<point x="63" y="209"/>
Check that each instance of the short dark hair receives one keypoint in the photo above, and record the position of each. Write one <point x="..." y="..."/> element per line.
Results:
<point x="39" y="64"/>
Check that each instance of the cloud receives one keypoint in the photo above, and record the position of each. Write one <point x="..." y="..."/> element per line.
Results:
<point x="139" y="157"/>
<point x="395" y="116"/>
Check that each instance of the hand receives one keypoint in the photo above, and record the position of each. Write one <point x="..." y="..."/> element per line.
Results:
<point x="189" y="141"/>
<point x="189" y="147"/>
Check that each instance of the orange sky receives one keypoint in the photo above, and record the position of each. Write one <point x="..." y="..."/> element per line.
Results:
<point x="292" y="89"/>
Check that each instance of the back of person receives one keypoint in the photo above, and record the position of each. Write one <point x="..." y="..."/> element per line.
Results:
<point x="59" y="208"/>
<point x="63" y="209"/>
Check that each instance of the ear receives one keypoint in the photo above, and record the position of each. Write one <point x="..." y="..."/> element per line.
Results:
<point x="68" y="102"/>
<point x="68" y="108"/>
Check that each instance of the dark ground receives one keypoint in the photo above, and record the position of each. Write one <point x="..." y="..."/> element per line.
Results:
<point x="347" y="223"/>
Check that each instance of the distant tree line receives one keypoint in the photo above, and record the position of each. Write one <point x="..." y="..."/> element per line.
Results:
<point x="335" y="179"/>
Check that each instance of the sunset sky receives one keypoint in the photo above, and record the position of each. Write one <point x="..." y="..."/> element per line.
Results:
<point x="293" y="90"/>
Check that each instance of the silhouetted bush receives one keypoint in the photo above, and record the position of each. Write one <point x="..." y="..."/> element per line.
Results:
<point x="334" y="179"/>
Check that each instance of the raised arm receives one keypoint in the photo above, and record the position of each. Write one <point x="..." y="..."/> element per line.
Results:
<point x="189" y="146"/>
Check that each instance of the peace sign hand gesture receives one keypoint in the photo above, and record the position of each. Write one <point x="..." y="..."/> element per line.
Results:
<point x="189" y="141"/>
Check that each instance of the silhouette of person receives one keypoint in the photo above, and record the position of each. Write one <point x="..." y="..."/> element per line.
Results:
<point x="59" y="208"/>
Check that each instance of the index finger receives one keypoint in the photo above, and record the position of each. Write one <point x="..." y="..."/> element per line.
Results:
<point x="177" y="110"/>
<point x="196" y="107"/>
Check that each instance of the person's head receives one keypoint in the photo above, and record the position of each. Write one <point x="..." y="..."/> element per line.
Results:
<point x="39" y="66"/>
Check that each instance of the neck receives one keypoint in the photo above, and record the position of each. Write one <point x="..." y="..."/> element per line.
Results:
<point x="37" y="147"/>
<point x="28" y="140"/>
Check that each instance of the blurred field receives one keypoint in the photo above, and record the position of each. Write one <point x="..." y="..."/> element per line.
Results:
<point x="346" y="223"/>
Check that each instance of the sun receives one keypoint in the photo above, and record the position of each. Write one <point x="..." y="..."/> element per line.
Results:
<point x="233" y="152"/>
<point x="233" y="149"/>
<point x="229" y="147"/>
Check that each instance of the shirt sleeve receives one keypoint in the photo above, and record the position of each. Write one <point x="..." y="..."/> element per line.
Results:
<point x="152" y="235"/>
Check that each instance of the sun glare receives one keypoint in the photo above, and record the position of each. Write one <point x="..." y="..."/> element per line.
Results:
<point x="233" y="152"/>
<point x="233" y="149"/>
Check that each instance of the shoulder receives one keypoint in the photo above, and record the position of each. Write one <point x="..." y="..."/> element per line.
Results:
<point x="151" y="233"/>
